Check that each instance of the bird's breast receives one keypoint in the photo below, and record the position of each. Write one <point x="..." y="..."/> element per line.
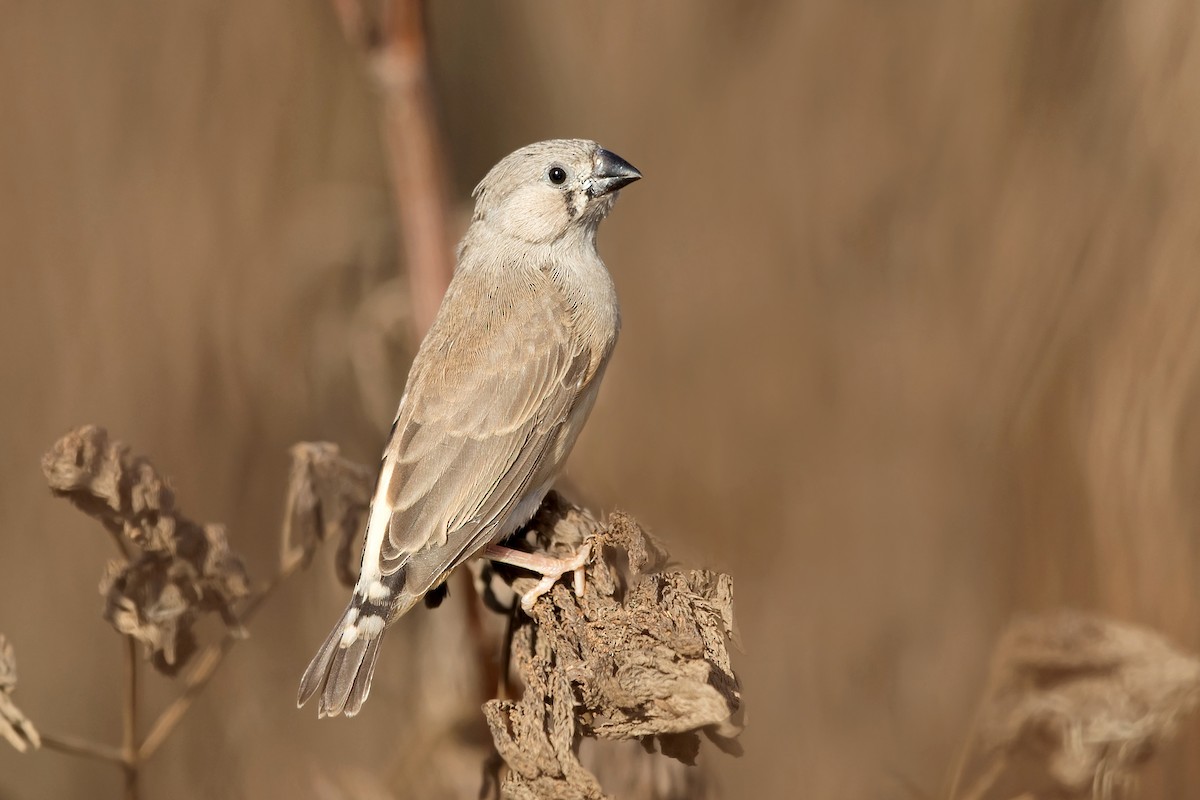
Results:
<point x="595" y="315"/>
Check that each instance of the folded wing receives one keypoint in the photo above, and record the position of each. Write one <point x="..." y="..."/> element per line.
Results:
<point x="477" y="428"/>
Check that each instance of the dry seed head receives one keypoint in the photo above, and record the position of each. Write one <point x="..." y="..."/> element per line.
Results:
<point x="176" y="568"/>
<point x="328" y="498"/>
<point x="1090" y="697"/>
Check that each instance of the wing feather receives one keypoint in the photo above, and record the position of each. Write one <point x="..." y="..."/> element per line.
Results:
<point x="479" y="426"/>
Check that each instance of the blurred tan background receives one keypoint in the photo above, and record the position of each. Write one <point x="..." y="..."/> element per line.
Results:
<point x="911" y="344"/>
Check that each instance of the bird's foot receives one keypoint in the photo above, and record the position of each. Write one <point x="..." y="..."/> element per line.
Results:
<point x="550" y="568"/>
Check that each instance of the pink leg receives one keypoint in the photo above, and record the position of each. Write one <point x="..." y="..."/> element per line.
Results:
<point x="551" y="569"/>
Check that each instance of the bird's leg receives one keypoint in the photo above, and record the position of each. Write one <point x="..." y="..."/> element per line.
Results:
<point x="550" y="568"/>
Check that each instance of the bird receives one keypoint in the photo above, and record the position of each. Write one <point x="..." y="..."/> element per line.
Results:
<point x="496" y="396"/>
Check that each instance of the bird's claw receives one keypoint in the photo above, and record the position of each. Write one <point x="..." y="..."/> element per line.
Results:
<point x="576" y="564"/>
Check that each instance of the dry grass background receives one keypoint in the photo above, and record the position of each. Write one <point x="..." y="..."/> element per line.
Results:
<point x="911" y="339"/>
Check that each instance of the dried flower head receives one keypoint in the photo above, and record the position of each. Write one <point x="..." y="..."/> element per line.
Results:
<point x="173" y="569"/>
<point x="15" y="727"/>
<point x="1088" y="698"/>
<point x="328" y="498"/>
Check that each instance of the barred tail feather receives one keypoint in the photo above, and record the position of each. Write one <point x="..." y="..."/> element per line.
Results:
<point x="349" y="679"/>
<point x="342" y="669"/>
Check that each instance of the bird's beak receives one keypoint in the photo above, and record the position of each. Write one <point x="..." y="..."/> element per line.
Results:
<point x="610" y="172"/>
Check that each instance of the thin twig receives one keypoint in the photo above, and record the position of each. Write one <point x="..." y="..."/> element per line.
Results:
<point x="74" y="746"/>
<point x="504" y="689"/>
<point x="416" y="156"/>
<point x="203" y="669"/>
<point x="984" y="782"/>
<point x="129" y="745"/>
<point x="489" y="670"/>
<point x="964" y="753"/>
<point x="129" y="742"/>
<point x="201" y="673"/>
<point x="418" y="171"/>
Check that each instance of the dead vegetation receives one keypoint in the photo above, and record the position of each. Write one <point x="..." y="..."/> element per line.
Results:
<point x="328" y="498"/>
<point x="171" y="569"/>
<point x="642" y="655"/>
<point x="15" y="727"/>
<point x="1075" y="705"/>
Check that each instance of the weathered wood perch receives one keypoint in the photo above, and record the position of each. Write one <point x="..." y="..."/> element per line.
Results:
<point x="641" y="655"/>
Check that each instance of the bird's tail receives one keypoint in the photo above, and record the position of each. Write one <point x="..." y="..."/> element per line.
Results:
<point x="342" y="669"/>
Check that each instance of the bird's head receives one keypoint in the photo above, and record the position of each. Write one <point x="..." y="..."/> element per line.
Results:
<point x="543" y="191"/>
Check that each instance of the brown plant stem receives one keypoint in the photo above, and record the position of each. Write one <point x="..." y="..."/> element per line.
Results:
<point x="74" y="746"/>
<point x="964" y="753"/>
<point x="415" y="155"/>
<point x="489" y="669"/>
<point x="399" y="54"/>
<point x="131" y="756"/>
<point x="985" y="781"/>
<point x="129" y="744"/>
<point x="418" y="177"/>
<point x="504" y="686"/>
<point x="204" y="668"/>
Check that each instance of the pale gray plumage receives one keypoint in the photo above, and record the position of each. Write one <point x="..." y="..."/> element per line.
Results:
<point x="496" y="396"/>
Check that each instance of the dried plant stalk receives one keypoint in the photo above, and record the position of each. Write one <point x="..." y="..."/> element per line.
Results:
<point x="391" y="35"/>
<point x="173" y="569"/>
<point x="15" y="727"/>
<point x="641" y="656"/>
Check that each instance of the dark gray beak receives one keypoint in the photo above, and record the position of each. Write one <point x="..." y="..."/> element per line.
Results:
<point x="611" y="172"/>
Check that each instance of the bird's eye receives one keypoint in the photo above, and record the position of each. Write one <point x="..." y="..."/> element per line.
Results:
<point x="557" y="175"/>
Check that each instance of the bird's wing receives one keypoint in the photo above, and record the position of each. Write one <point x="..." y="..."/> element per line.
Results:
<point x="489" y="392"/>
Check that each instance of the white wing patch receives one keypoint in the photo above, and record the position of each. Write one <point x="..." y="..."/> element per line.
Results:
<point x="369" y="585"/>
